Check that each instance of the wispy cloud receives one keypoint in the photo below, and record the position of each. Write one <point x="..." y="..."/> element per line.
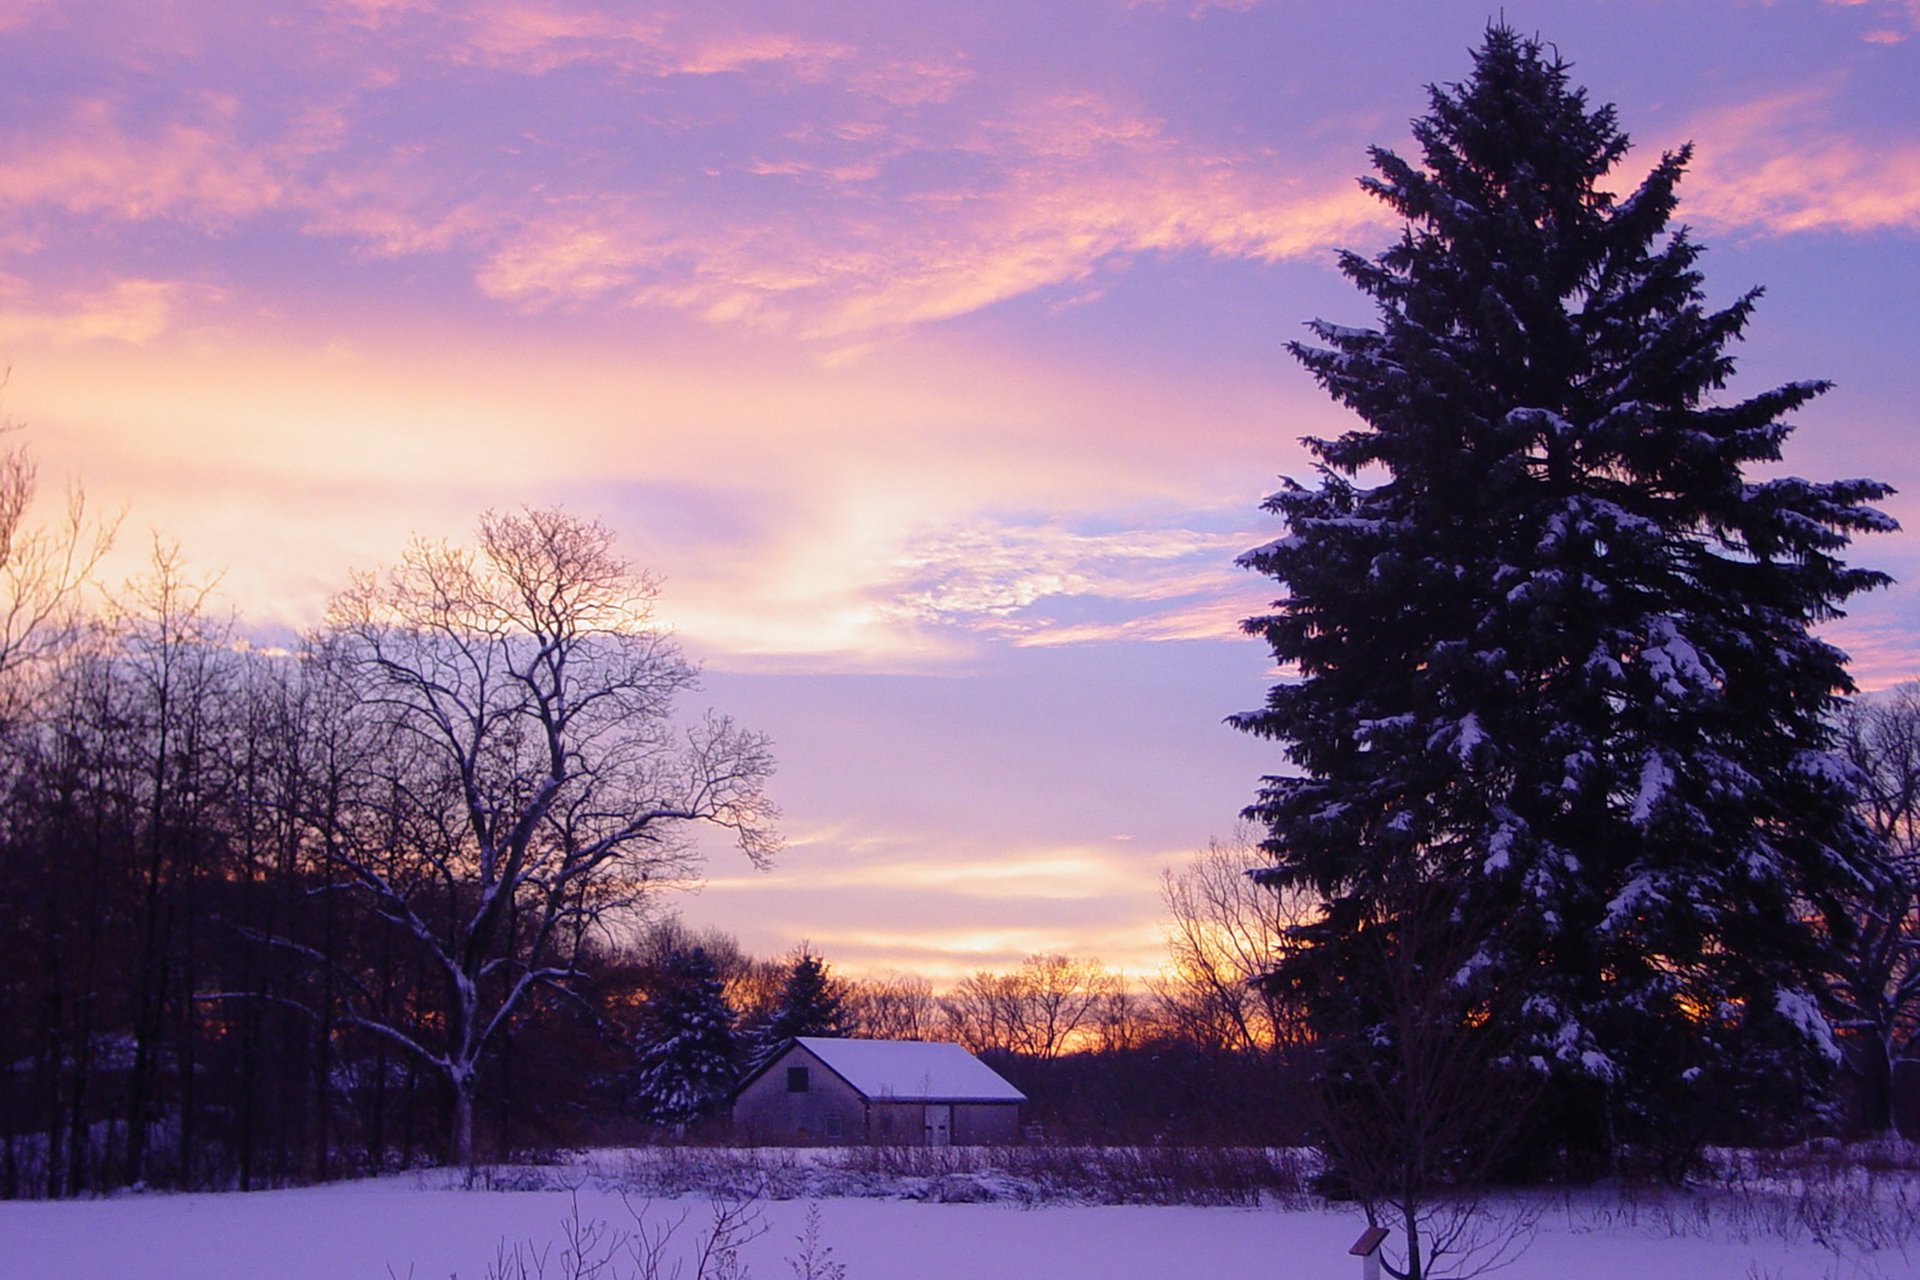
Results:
<point x="876" y="190"/>
<point x="1898" y="19"/>
<point x="946" y="908"/>
<point x="93" y="161"/>
<point x="1780" y="164"/>
<point x="129" y="311"/>
<point x="1050" y="193"/>
<point x="537" y="38"/>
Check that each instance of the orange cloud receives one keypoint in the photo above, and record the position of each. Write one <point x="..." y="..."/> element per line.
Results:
<point x="945" y="908"/>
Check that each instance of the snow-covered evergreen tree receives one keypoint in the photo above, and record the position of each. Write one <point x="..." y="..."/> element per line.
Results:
<point x="811" y="1003"/>
<point x="688" y="1060"/>
<point x="1547" y="642"/>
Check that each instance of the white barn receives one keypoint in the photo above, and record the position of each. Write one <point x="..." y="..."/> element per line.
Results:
<point x="822" y="1091"/>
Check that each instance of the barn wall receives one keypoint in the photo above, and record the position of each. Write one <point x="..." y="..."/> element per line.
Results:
<point x="985" y="1124"/>
<point x="830" y="1112"/>
<point x="896" y="1123"/>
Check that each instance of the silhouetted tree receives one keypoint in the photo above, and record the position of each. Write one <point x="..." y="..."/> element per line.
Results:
<point x="811" y="1003"/>
<point x="685" y="1044"/>
<point x="528" y="774"/>
<point x="1875" y="973"/>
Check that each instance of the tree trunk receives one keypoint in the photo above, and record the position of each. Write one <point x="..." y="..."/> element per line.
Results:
<point x="1875" y="1073"/>
<point x="460" y="1147"/>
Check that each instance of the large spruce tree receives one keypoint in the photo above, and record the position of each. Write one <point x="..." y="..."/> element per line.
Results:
<point x="1548" y="641"/>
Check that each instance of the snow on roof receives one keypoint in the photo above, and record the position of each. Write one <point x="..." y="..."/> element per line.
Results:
<point x="912" y="1070"/>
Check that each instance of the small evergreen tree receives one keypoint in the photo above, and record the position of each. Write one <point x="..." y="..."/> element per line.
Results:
<point x="685" y="1043"/>
<point x="1549" y="647"/>
<point x="811" y="1003"/>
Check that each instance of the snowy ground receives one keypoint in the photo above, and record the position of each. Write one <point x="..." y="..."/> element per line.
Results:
<point x="418" y="1226"/>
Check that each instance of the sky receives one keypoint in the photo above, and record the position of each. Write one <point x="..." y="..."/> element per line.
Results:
<point x="932" y="355"/>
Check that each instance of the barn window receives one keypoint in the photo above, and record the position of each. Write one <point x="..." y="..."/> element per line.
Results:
<point x="836" y="1127"/>
<point x="796" y="1079"/>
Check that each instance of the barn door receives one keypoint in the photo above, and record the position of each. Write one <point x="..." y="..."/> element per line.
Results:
<point x="939" y="1124"/>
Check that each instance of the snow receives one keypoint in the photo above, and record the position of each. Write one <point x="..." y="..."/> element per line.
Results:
<point x="1675" y="664"/>
<point x="1656" y="779"/>
<point x="912" y="1069"/>
<point x="417" y="1226"/>
<point x="1799" y="1009"/>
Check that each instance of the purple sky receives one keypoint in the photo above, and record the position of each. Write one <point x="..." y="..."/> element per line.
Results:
<point x="933" y="356"/>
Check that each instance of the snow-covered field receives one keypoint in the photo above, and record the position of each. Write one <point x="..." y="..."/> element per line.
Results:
<point x="420" y="1226"/>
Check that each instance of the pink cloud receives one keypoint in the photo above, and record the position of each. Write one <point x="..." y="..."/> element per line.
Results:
<point x="376" y="14"/>
<point x="1198" y="8"/>
<point x="1778" y="165"/>
<point x="808" y="59"/>
<point x="130" y="311"/>
<point x="911" y="82"/>
<point x="535" y="38"/>
<point x="1058" y="188"/>
<point x="388" y="207"/>
<point x="1888" y="11"/>
<point x="16" y="14"/>
<point x="92" y="162"/>
<point x="903" y="191"/>
<point x="1880" y="653"/>
<point x="563" y="260"/>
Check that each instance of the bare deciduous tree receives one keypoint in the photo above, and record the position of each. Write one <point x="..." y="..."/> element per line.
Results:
<point x="1037" y="1011"/>
<point x="1060" y="998"/>
<point x="42" y="570"/>
<point x="1421" y="1097"/>
<point x="1126" y="1021"/>
<point x="1875" y="980"/>
<point x="895" y="1007"/>
<point x="534" y="774"/>
<point x="1223" y="931"/>
<point x="175" y="657"/>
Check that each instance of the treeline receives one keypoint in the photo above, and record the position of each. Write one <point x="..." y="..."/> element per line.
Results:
<point x="272" y="915"/>
<point x="1195" y="1054"/>
<point x="401" y="891"/>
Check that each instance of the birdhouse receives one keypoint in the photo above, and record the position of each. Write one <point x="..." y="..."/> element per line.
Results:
<point x="1367" y="1249"/>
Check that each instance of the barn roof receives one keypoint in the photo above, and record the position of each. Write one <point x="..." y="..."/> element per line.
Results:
<point x="911" y="1070"/>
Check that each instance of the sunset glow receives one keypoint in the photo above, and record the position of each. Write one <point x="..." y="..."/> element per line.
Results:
<point x="935" y="364"/>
